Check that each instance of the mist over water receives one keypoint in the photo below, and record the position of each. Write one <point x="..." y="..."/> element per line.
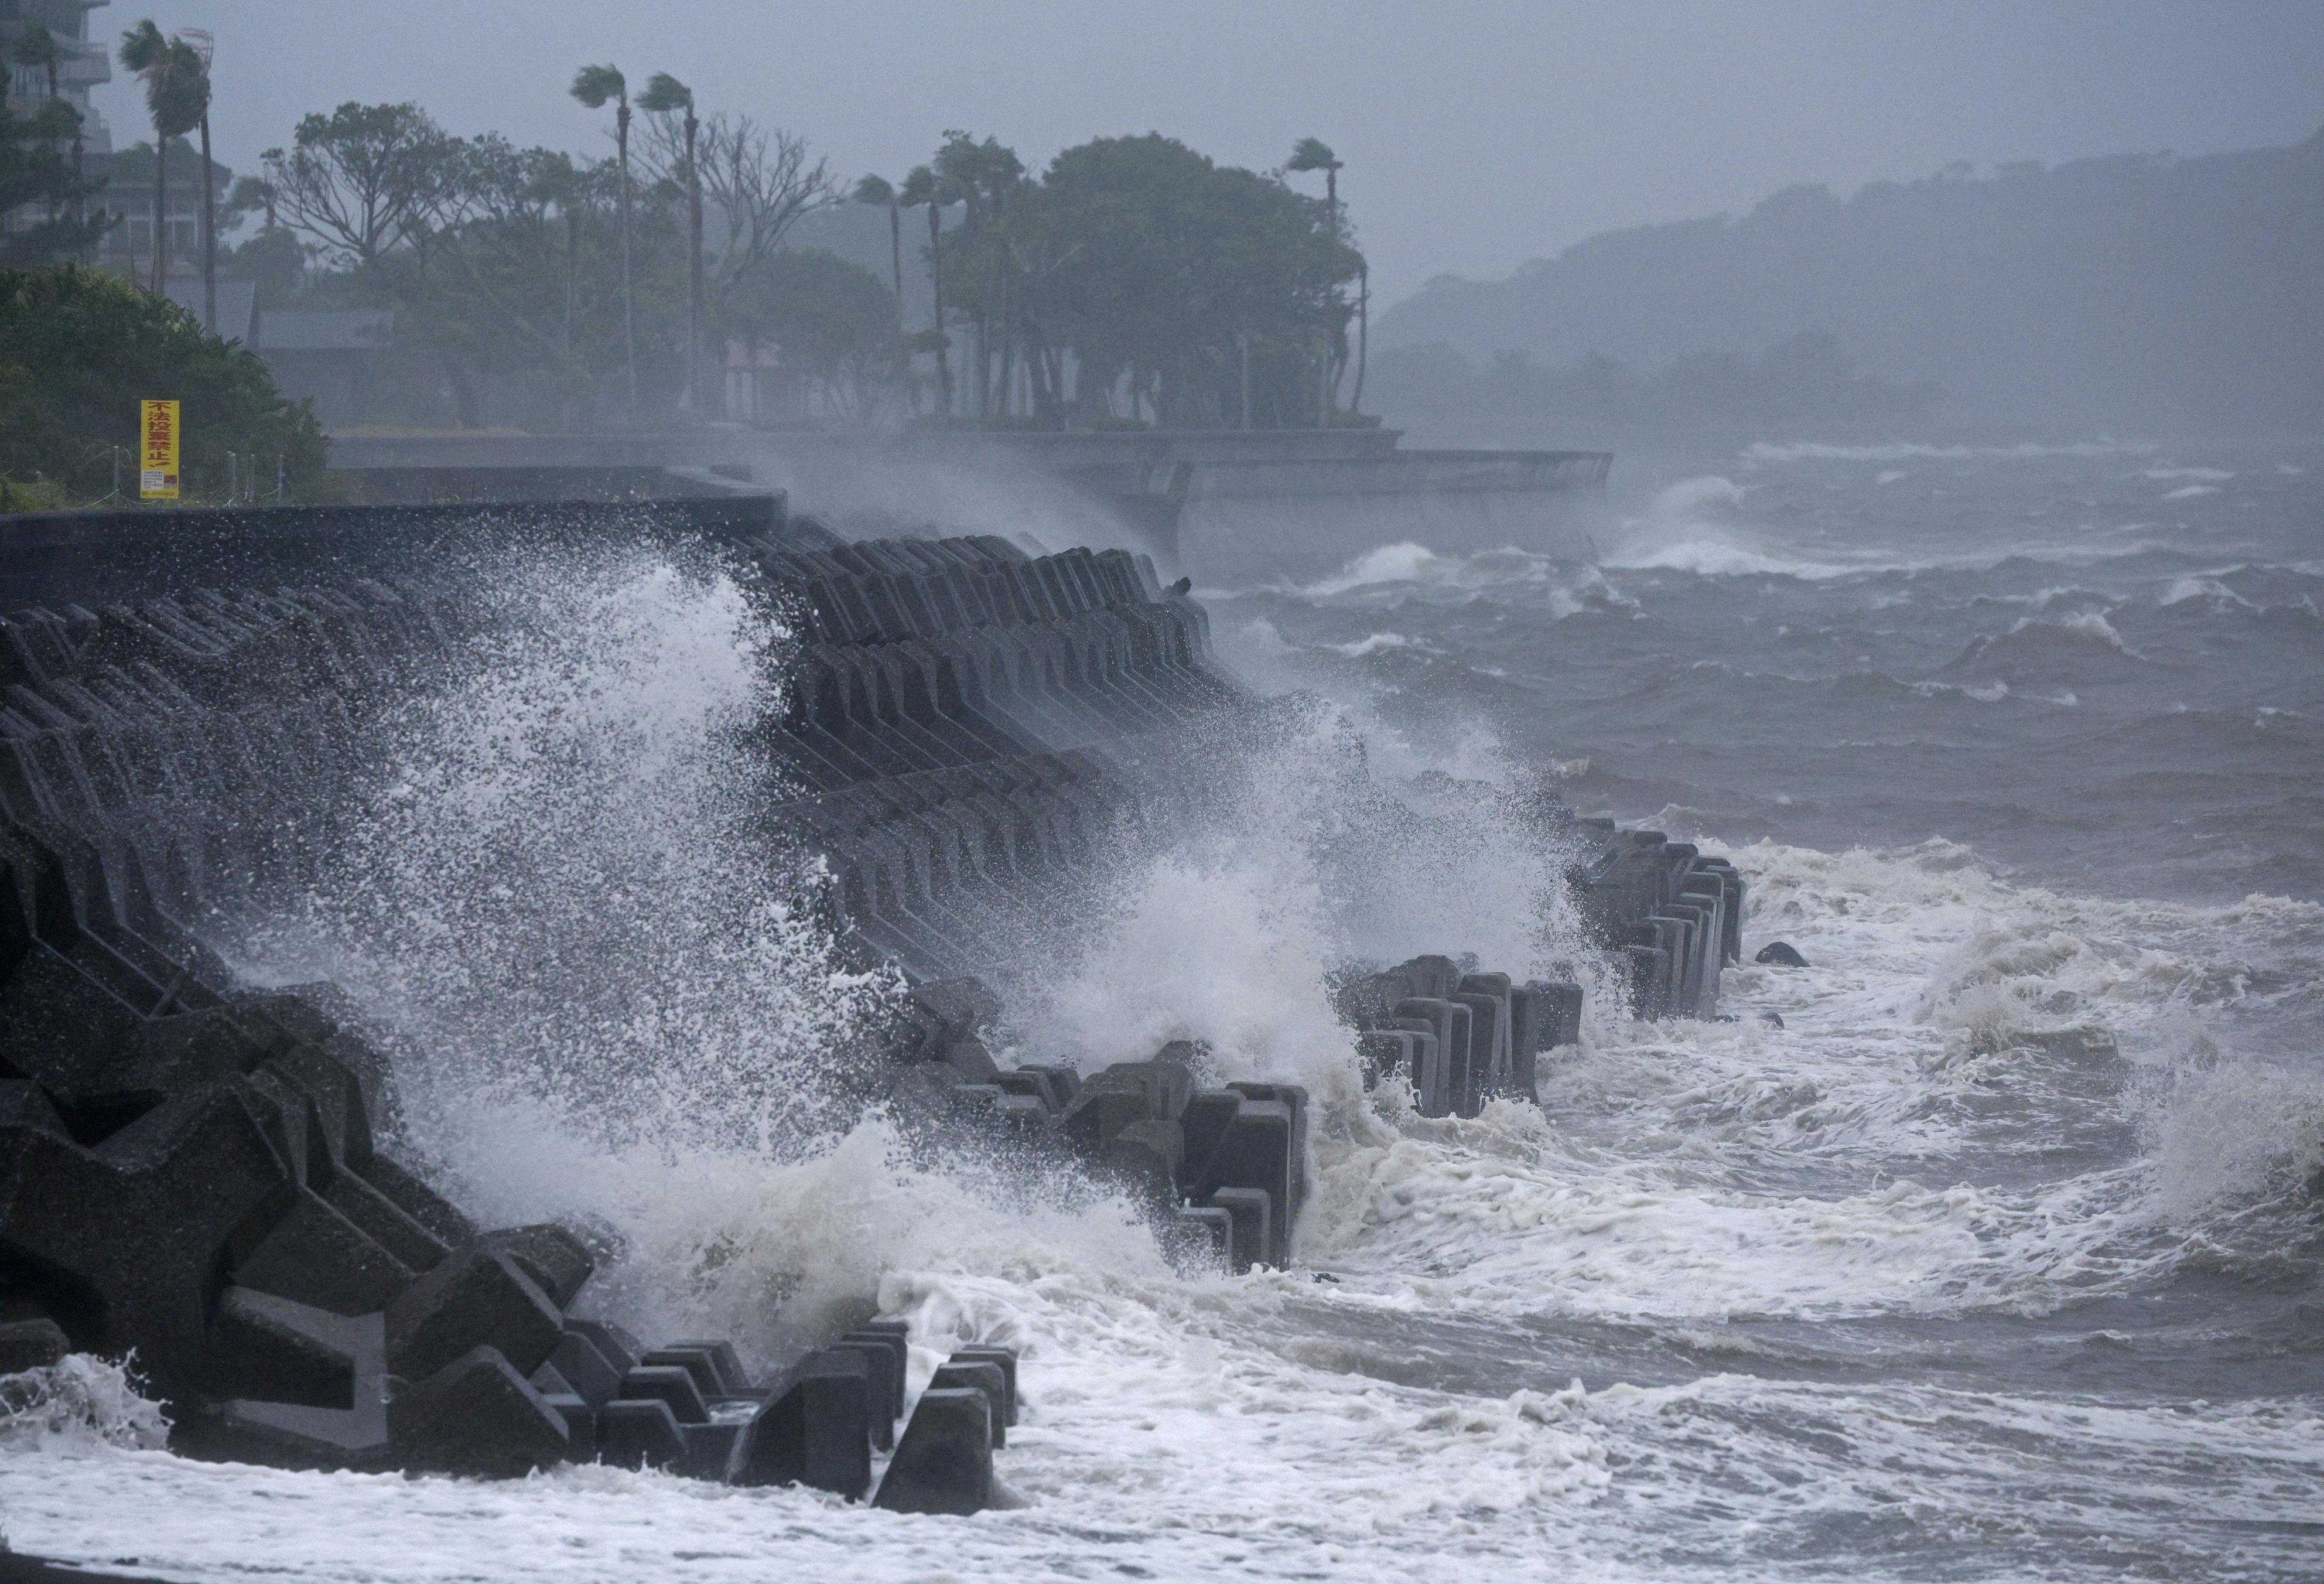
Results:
<point x="1999" y="1257"/>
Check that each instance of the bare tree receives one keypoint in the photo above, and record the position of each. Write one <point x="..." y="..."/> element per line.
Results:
<point x="758" y="181"/>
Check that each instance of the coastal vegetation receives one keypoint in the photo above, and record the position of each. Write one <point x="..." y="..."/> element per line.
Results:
<point x="80" y="348"/>
<point x="1134" y="280"/>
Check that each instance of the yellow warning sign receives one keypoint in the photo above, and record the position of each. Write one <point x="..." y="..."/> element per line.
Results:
<point x="157" y="432"/>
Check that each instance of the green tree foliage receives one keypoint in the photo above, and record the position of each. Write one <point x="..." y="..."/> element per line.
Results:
<point x="1132" y="280"/>
<point x="1148" y="262"/>
<point x="366" y="179"/>
<point x="80" y="348"/>
<point x="36" y="170"/>
<point x="525" y="287"/>
<point x="176" y="98"/>
<point x="834" y="322"/>
<point x="36" y="173"/>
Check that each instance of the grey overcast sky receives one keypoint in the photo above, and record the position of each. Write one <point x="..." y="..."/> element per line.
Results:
<point x="1476" y="136"/>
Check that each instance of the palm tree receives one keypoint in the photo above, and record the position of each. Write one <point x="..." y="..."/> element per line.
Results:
<point x="924" y="187"/>
<point x="877" y="189"/>
<point x="36" y="47"/>
<point x="664" y="94"/>
<point x="176" y="97"/>
<point x="1312" y="153"/>
<point x="205" y="45"/>
<point x="593" y="85"/>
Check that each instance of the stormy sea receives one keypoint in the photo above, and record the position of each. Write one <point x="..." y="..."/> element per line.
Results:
<point x="1986" y="1245"/>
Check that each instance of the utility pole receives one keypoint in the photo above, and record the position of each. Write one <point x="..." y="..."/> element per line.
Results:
<point x="205" y="44"/>
<point x="694" y="232"/>
<point x="1242" y="342"/>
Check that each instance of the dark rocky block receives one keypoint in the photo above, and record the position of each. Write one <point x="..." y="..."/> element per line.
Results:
<point x="309" y="1386"/>
<point x="673" y="1383"/>
<point x="385" y="1223"/>
<point x="943" y="1464"/>
<point x="1199" y="1239"/>
<point x="314" y="1255"/>
<point x="1255" y="1152"/>
<point x="698" y="1364"/>
<point x="1204" y="1122"/>
<point x="817" y="1431"/>
<point x="273" y="1348"/>
<point x="1252" y="1215"/>
<point x="639" y="1434"/>
<point x="1126" y="1092"/>
<point x="415" y="1199"/>
<point x="1780" y="954"/>
<point x="33" y="1344"/>
<point x="1005" y="1360"/>
<point x="1150" y="1157"/>
<point x="621" y="1349"/>
<point x="557" y="1262"/>
<point x="885" y="1358"/>
<point x="710" y="1449"/>
<point x="476" y="1415"/>
<point x="979" y="1376"/>
<point x="121" y="1245"/>
<point x="580" y="1424"/>
<point x="477" y="1298"/>
<point x="595" y="1379"/>
<point x="725" y="1364"/>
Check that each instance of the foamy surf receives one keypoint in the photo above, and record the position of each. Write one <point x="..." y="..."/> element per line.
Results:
<point x="1688" y="1198"/>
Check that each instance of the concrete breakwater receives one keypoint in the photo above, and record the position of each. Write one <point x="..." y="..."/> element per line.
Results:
<point x="210" y="1176"/>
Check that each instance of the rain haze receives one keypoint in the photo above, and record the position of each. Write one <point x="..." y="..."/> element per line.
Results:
<point x="1476" y="136"/>
<point x="1393" y="793"/>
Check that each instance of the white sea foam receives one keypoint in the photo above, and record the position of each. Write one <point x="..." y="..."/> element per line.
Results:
<point x="1911" y="450"/>
<point x="2196" y="586"/>
<point x="1402" y="562"/>
<point x="1376" y="643"/>
<point x="1681" y="1173"/>
<point x="1694" y="526"/>
<point x="2189" y="492"/>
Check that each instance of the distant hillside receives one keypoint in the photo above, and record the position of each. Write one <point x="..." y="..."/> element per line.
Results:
<point x="2130" y="290"/>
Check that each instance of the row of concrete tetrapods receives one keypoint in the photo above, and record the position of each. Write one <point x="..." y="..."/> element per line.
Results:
<point x="1459" y="1038"/>
<point x="1673" y="915"/>
<point x="689" y="1407"/>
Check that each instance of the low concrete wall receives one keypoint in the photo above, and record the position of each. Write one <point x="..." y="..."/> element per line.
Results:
<point x="94" y="557"/>
<point x="1245" y="522"/>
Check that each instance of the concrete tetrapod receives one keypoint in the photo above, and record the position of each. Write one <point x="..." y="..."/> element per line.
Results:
<point x="944" y="1463"/>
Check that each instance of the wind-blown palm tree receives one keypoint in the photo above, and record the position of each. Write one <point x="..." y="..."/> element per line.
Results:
<point x="923" y="186"/>
<point x="204" y="46"/>
<point x="594" y="86"/>
<point x="176" y="97"/>
<point x="663" y="95"/>
<point x="1312" y="153"/>
<point x="36" y="47"/>
<point x="878" y="190"/>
